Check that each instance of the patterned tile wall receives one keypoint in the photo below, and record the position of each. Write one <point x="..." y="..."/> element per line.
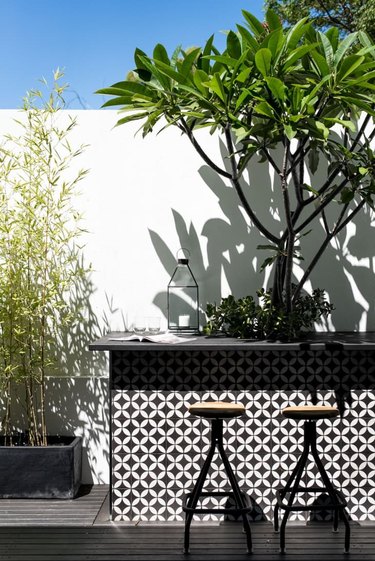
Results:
<point x="158" y="448"/>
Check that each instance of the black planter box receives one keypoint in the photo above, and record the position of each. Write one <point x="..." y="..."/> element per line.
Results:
<point x="41" y="472"/>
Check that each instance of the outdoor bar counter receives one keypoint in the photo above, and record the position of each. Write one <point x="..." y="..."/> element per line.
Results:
<point x="157" y="448"/>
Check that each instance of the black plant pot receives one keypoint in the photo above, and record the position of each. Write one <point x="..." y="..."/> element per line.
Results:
<point x="41" y="472"/>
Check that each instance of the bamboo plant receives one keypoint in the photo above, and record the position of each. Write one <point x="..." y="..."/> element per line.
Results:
<point x="297" y="100"/>
<point x="39" y="256"/>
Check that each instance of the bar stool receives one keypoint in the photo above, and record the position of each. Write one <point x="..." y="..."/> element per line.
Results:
<point x="310" y="414"/>
<point x="216" y="412"/>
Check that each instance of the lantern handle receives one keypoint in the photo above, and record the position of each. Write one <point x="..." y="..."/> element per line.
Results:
<point x="182" y="249"/>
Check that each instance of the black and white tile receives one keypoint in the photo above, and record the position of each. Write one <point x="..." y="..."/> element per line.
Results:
<point x="158" y="448"/>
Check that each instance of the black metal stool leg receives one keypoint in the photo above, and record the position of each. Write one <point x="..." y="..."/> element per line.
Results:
<point x="293" y="488"/>
<point x="194" y="496"/>
<point x="338" y="505"/>
<point x="237" y="493"/>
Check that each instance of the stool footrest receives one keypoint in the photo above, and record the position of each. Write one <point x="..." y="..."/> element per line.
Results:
<point x="217" y="510"/>
<point x="341" y="502"/>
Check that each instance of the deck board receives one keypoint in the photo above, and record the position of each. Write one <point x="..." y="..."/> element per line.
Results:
<point x="80" y="530"/>
<point x="164" y="543"/>
<point x="81" y="511"/>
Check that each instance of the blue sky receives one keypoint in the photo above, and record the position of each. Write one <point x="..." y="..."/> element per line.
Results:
<point x="94" y="40"/>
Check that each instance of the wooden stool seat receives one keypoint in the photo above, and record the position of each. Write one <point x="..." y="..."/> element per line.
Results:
<point x="217" y="409"/>
<point x="310" y="412"/>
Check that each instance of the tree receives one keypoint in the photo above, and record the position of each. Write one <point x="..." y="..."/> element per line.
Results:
<point x="300" y="92"/>
<point x="347" y="15"/>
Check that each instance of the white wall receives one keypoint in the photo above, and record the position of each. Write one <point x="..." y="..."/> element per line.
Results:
<point x="144" y="199"/>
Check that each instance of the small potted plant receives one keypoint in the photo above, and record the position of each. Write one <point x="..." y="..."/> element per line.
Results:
<point x="40" y="265"/>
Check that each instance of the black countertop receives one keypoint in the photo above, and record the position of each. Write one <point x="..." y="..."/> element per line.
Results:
<point x="312" y="341"/>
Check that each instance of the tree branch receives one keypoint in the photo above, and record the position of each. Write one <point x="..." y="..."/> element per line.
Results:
<point x="240" y="193"/>
<point x="185" y="129"/>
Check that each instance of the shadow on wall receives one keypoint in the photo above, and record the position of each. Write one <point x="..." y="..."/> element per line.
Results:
<point x="345" y="270"/>
<point x="80" y="407"/>
<point x="74" y="358"/>
<point x="78" y="400"/>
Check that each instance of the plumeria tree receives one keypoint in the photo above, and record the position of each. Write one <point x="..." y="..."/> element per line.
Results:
<point x="290" y="99"/>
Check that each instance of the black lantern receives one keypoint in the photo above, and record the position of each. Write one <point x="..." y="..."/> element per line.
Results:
<point x="183" y="298"/>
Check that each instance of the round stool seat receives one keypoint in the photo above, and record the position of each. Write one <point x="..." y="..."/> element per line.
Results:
<point x="217" y="409"/>
<point x="310" y="412"/>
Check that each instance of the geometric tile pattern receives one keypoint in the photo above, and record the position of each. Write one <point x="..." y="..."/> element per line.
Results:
<point x="158" y="448"/>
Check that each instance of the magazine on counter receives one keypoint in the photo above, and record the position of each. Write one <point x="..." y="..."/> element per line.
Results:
<point x="168" y="338"/>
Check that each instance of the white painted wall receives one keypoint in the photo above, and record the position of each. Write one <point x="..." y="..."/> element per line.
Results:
<point x="144" y="199"/>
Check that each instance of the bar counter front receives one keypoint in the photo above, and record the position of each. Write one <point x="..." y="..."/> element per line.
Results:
<point x="157" y="448"/>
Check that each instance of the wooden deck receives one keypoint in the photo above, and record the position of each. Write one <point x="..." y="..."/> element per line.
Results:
<point x="80" y="530"/>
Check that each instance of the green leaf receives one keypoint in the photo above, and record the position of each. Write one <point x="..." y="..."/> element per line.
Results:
<point x="263" y="61"/>
<point x="248" y="38"/>
<point x="254" y="24"/>
<point x="268" y="246"/>
<point x="313" y="159"/>
<point x="160" y="53"/>
<point x="267" y="262"/>
<point x="345" y="123"/>
<point x="277" y="87"/>
<point x="322" y="129"/>
<point x="189" y="60"/>
<point x="314" y="192"/>
<point x="233" y="45"/>
<point x="225" y="60"/>
<point x="204" y="63"/>
<point x="166" y="70"/>
<point x="345" y="44"/>
<point x="142" y="72"/>
<point x="216" y="85"/>
<point x="327" y="50"/>
<point x="358" y="102"/>
<point x="244" y="75"/>
<point x="347" y="195"/>
<point x="295" y="33"/>
<point x="348" y="66"/>
<point x="273" y="20"/>
<point x="321" y="64"/>
<point x="297" y="54"/>
<point x="275" y="42"/>
<point x="200" y="77"/>
<point x="264" y="108"/>
<point x="290" y="132"/>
